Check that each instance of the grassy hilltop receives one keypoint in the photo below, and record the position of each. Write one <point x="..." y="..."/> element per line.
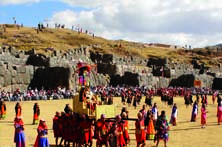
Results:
<point x="26" y="38"/>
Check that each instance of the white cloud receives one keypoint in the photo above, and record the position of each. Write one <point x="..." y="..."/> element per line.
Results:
<point x="14" y="2"/>
<point x="89" y="3"/>
<point x="174" y="22"/>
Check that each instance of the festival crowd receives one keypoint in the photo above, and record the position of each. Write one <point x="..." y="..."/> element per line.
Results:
<point x="150" y="124"/>
<point x="36" y="94"/>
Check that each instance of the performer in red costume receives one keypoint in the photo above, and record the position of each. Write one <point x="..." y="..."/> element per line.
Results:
<point x="140" y="132"/>
<point x="102" y="128"/>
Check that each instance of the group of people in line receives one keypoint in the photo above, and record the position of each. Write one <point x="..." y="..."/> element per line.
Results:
<point x="80" y="130"/>
<point x="42" y="129"/>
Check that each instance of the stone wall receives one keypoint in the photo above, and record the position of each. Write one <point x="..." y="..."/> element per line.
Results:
<point x="19" y="69"/>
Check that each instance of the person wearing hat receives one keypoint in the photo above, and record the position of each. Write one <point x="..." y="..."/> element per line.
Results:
<point x="140" y="131"/>
<point x="102" y="128"/>
<point x="42" y="139"/>
<point x="162" y="128"/>
<point x="19" y="137"/>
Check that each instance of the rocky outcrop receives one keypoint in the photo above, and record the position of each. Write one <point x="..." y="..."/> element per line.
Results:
<point x="19" y="69"/>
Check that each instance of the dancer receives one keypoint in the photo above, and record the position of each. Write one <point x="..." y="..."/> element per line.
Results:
<point x="120" y="130"/>
<point x="150" y="133"/>
<point x="86" y="129"/>
<point x="19" y="137"/>
<point x="203" y="115"/>
<point x="219" y="110"/>
<point x="126" y="128"/>
<point x="2" y="110"/>
<point x="18" y="110"/>
<point x="155" y="113"/>
<point x="140" y="131"/>
<point x="194" y="112"/>
<point x="102" y="132"/>
<point x="36" y="114"/>
<point x="173" y="119"/>
<point x="42" y="130"/>
<point x="162" y="128"/>
<point x="113" y="136"/>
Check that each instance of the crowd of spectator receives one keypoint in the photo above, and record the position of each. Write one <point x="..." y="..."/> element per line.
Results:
<point x="106" y="91"/>
<point x="35" y="94"/>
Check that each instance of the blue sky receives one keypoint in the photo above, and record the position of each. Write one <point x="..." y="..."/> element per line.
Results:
<point x="32" y="14"/>
<point x="178" y="22"/>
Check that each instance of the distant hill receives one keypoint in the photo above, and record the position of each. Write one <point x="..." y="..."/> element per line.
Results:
<point x="24" y="38"/>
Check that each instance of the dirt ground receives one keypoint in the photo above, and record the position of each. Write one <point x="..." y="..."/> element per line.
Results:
<point x="185" y="134"/>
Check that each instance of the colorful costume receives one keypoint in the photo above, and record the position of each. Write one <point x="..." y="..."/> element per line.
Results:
<point x="162" y="128"/>
<point x="155" y="112"/>
<point x="173" y="119"/>
<point x="36" y="114"/>
<point x="203" y="116"/>
<point x="42" y="139"/>
<point x="18" y="110"/>
<point x="150" y="134"/>
<point x="219" y="110"/>
<point x="2" y="110"/>
<point x="194" y="112"/>
<point x="19" y="137"/>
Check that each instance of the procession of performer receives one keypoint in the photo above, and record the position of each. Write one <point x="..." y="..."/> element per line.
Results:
<point x="80" y="130"/>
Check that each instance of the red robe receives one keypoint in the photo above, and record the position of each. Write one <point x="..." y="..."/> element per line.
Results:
<point x="18" y="112"/>
<point x="120" y="137"/>
<point x="69" y="131"/>
<point x="126" y="132"/>
<point x="102" y="132"/>
<point x="36" y="114"/>
<point x="140" y="132"/>
<point x="65" y="128"/>
<point x="62" y="123"/>
<point x="73" y="129"/>
<point x="3" y="110"/>
<point x="86" y="126"/>
<point x="56" y="127"/>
